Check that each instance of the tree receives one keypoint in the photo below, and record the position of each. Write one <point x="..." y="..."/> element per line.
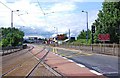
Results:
<point x="108" y="21"/>
<point x="11" y="37"/>
<point x="83" y="33"/>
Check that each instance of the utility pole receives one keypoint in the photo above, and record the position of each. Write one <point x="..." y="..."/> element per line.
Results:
<point x="12" y="17"/>
<point x="69" y="33"/>
<point x="86" y="24"/>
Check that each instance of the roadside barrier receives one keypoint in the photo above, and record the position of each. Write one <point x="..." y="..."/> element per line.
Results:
<point x="108" y="49"/>
<point x="11" y="49"/>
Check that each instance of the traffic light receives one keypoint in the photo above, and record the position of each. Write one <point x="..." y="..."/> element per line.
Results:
<point x="93" y="29"/>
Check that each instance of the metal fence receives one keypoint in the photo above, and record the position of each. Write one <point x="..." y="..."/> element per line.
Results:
<point x="10" y="49"/>
<point x="108" y="49"/>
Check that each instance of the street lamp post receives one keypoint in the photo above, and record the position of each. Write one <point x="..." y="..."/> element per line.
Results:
<point x="56" y="30"/>
<point x="86" y="24"/>
<point x="12" y="17"/>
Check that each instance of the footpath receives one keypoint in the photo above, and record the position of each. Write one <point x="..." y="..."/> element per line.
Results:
<point x="66" y="67"/>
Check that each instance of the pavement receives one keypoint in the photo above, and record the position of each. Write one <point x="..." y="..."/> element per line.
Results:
<point x="66" y="67"/>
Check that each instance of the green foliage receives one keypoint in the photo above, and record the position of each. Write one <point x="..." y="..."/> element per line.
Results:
<point x="82" y="37"/>
<point x="108" y="21"/>
<point x="11" y="37"/>
<point x="83" y="33"/>
<point x="82" y="41"/>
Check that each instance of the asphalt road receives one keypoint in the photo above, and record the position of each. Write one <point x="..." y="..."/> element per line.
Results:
<point x="105" y="64"/>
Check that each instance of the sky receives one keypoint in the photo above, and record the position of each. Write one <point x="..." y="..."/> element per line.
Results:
<point x="46" y="18"/>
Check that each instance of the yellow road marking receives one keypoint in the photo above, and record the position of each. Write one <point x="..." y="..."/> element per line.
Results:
<point x="81" y="54"/>
<point x="76" y="53"/>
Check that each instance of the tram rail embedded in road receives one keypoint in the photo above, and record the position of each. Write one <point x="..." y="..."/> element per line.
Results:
<point x="18" y="65"/>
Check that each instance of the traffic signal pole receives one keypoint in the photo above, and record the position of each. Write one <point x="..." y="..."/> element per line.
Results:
<point x="92" y="40"/>
<point x="93" y="31"/>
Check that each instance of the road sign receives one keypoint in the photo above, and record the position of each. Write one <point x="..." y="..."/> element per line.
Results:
<point x="104" y="37"/>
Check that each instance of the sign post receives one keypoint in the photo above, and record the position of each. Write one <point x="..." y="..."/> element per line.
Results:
<point x="103" y="38"/>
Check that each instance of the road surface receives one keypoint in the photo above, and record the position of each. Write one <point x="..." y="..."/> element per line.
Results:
<point x="105" y="64"/>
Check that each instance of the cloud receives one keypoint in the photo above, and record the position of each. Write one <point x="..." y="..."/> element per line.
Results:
<point x="68" y="0"/>
<point x="64" y="6"/>
<point x="76" y="22"/>
<point x="4" y="15"/>
<point x="66" y="16"/>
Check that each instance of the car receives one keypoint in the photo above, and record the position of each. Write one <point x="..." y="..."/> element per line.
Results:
<point x="28" y="41"/>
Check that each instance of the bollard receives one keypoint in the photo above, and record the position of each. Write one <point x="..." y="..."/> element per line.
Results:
<point x="53" y="50"/>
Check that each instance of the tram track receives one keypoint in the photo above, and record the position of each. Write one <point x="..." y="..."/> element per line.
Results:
<point x="21" y="62"/>
<point x="40" y="60"/>
<point x="31" y="70"/>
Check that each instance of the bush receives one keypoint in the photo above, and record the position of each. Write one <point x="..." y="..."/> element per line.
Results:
<point x="11" y="37"/>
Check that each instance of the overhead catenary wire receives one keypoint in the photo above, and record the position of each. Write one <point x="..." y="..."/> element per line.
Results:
<point x="6" y="6"/>
<point x="22" y="20"/>
<point x="40" y="7"/>
<point x="12" y="10"/>
<point x="43" y="13"/>
<point x="46" y="21"/>
<point x="42" y="10"/>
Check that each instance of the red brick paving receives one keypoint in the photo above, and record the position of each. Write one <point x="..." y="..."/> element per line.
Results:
<point x="65" y="67"/>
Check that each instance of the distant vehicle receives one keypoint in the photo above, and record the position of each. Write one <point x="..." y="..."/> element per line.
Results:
<point x="28" y="41"/>
<point x="24" y="46"/>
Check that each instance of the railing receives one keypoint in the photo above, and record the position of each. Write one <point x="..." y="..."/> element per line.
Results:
<point x="108" y="49"/>
<point x="10" y="49"/>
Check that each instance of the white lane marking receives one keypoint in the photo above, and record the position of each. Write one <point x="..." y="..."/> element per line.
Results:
<point x="46" y="50"/>
<point x="80" y="65"/>
<point x="64" y="57"/>
<point x="95" y="72"/>
<point x="53" y="53"/>
<point x="70" y="60"/>
<point x="60" y="56"/>
<point x="57" y="54"/>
